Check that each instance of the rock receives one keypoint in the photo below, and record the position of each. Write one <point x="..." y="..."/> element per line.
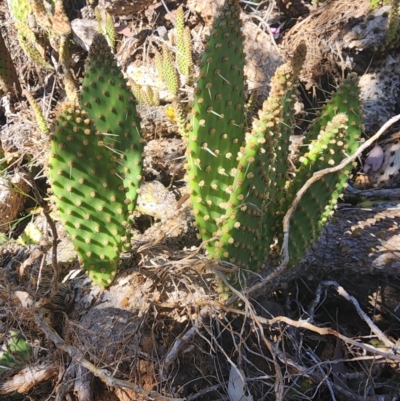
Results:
<point x="83" y="31"/>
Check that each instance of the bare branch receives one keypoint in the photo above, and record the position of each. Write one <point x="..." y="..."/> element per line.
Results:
<point x="29" y="377"/>
<point x="378" y="332"/>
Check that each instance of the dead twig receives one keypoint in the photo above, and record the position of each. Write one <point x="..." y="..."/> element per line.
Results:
<point x="249" y="308"/>
<point x="378" y="332"/>
<point x="324" y="331"/>
<point x="50" y="222"/>
<point x="29" y="377"/>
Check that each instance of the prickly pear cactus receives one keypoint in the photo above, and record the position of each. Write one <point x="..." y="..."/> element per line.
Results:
<point x="88" y="192"/>
<point x="108" y="101"/>
<point x="254" y="213"/>
<point x="239" y="184"/>
<point x="217" y="122"/>
<point x="95" y="165"/>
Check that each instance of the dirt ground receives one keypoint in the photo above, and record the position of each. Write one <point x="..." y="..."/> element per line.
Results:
<point x="326" y="330"/>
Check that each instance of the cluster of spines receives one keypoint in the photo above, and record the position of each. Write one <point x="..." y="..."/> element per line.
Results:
<point x="88" y="193"/>
<point x="217" y="122"/>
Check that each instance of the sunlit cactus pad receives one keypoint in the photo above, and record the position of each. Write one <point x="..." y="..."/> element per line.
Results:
<point x="108" y="101"/>
<point x="88" y="193"/>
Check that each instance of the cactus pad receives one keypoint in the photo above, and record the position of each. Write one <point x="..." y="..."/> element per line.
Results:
<point x="89" y="195"/>
<point x="109" y="102"/>
<point x="217" y="122"/>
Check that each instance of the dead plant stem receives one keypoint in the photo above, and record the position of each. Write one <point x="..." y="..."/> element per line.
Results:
<point x="50" y="222"/>
<point x="378" y="332"/>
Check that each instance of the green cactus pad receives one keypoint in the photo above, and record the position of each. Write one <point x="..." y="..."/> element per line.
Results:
<point x="336" y="139"/>
<point x="345" y="100"/>
<point x="109" y="102"/>
<point x="29" y="44"/>
<point x="324" y="151"/>
<point x="280" y="105"/>
<point x="306" y="221"/>
<point x="217" y="122"/>
<point x="88" y="193"/>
